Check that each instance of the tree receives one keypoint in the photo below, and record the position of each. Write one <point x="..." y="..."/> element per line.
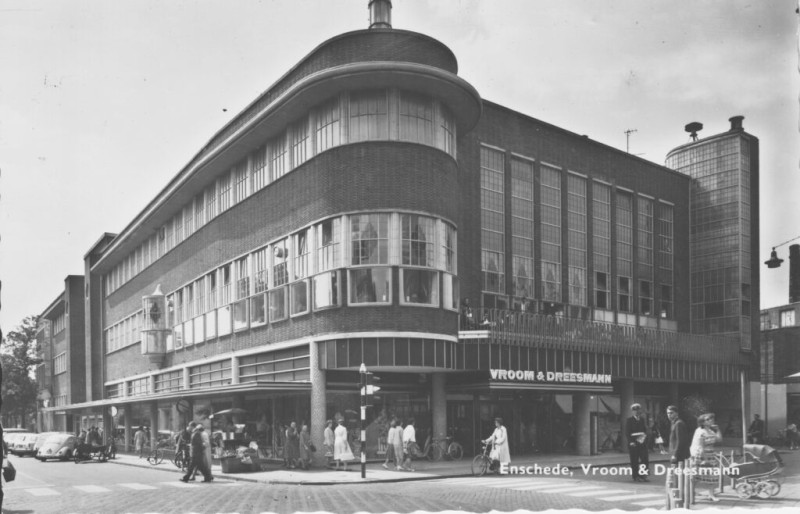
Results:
<point x="19" y="356"/>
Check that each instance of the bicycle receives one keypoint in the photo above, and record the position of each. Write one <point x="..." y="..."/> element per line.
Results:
<point x="482" y="463"/>
<point x="446" y="448"/>
<point x="156" y="456"/>
<point x="181" y="459"/>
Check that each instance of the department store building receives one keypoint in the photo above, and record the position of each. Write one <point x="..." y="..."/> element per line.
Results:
<point x="370" y="207"/>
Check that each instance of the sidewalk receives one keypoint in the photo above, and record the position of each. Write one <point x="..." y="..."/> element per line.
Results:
<point x="425" y="470"/>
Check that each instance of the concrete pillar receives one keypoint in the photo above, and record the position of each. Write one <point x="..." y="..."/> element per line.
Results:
<point x="234" y="370"/>
<point x="153" y="424"/>
<point x="128" y="409"/>
<point x="625" y="402"/>
<point x="438" y="406"/>
<point x="581" y="408"/>
<point x="177" y="421"/>
<point x="318" y="404"/>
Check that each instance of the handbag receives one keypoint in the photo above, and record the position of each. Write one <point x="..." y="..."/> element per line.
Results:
<point x="9" y="472"/>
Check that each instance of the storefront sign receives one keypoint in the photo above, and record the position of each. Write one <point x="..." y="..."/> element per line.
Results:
<point x="518" y="375"/>
<point x="183" y="406"/>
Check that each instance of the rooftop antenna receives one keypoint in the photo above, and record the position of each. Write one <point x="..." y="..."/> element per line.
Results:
<point x="628" y="139"/>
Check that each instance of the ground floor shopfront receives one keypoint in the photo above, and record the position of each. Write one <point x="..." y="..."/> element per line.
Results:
<point x="449" y="389"/>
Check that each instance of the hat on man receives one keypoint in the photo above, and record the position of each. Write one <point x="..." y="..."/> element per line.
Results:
<point x="636" y="406"/>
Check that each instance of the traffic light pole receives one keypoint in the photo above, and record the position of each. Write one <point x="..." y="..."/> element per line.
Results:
<point x="363" y="373"/>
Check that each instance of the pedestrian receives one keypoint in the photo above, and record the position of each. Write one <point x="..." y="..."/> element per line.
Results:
<point x="467" y="320"/>
<point x="207" y="445"/>
<point x="3" y="454"/>
<point x="636" y="431"/>
<point x="328" y="440"/>
<point x="755" y="434"/>
<point x="678" y="438"/>
<point x="305" y="448"/>
<point x="198" y="450"/>
<point x="292" y="447"/>
<point x="341" y="448"/>
<point x="139" y="441"/>
<point x="409" y="444"/>
<point x="183" y="442"/>
<point x="390" y="455"/>
<point x="793" y="436"/>
<point x="499" y="441"/>
<point x="702" y="452"/>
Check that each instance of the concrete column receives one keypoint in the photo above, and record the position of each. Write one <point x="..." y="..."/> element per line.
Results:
<point x="153" y="424"/>
<point x="128" y="409"/>
<point x="438" y="406"/>
<point x="318" y="404"/>
<point x="234" y="370"/>
<point x="581" y="408"/>
<point x="625" y="402"/>
<point x="186" y="377"/>
<point x="177" y="421"/>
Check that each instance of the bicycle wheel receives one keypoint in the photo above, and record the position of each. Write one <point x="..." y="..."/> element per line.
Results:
<point x="436" y="453"/>
<point x="178" y="460"/>
<point x="480" y="465"/>
<point x="455" y="451"/>
<point x="156" y="457"/>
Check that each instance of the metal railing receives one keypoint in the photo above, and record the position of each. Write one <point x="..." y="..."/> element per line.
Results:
<point x="557" y="332"/>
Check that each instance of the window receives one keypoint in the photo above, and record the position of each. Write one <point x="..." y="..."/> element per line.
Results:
<point x="242" y="180"/>
<point x="624" y="251"/>
<point x="302" y="254"/>
<point x="370" y="285"/>
<point x="550" y="199"/>
<point x="188" y="219"/>
<point x="624" y="295"/>
<point x="417" y="240"/>
<point x="601" y="223"/>
<point x="225" y="284"/>
<point x="645" y="298"/>
<point x="416" y="118"/>
<point x="224" y="191"/>
<point x="787" y="318"/>
<point x="449" y="247"/>
<point x="493" y="220"/>
<point x="576" y="238"/>
<point x="260" y="270"/>
<point x="301" y="143"/>
<point x="299" y="296"/>
<point x="240" y="314"/>
<point x="328" y="244"/>
<point x="644" y="253"/>
<point x="211" y="201"/>
<point x="258" y="310"/>
<point x="199" y="211"/>
<point x="447" y="131"/>
<point x="522" y="227"/>
<point x="259" y="168"/>
<point x="601" y="290"/>
<point x="242" y="278"/>
<point x="420" y="287"/>
<point x="667" y="302"/>
<point x="369" y="234"/>
<point x="368" y="116"/>
<point x="280" y="263"/>
<point x="277" y="157"/>
<point x="60" y="363"/>
<point x="277" y="304"/>
<point x="328" y="125"/>
<point x="177" y="223"/>
<point x="326" y="290"/>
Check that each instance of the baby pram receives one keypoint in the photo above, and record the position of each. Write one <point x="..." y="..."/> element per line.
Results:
<point x="759" y="475"/>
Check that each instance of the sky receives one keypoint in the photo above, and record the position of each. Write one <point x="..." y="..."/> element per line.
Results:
<point x="102" y="103"/>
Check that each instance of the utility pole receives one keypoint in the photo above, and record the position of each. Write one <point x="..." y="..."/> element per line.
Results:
<point x="628" y="139"/>
<point x="368" y="389"/>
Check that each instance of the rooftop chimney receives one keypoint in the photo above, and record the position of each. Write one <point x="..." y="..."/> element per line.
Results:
<point x="794" y="273"/>
<point x="736" y="122"/>
<point x="380" y="14"/>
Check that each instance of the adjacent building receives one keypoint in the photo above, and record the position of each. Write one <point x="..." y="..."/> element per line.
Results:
<point x="370" y="207"/>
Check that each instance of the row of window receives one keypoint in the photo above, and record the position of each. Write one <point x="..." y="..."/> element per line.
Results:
<point x="60" y="323"/>
<point x="301" y="272"/>
<point x="348" y="118"/>
<point x="580" y="212"/>
<point x="60" y="363"/>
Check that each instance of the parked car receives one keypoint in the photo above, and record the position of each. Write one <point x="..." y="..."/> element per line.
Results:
<point x="11" y="438"/>
<point x="41" y="438"/>
<point x="57" y="446"/>
<point x="23" y="444"/>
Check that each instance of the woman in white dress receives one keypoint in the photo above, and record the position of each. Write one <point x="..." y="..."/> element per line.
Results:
<point x="499" y="439"/>
<point x="702" y="452"/>
<point x="341" y="448"/>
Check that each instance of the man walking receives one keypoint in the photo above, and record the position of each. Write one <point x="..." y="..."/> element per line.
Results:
<point x="636" y="431"/>
<point x="755" y="434"/>
<point x="139" y="441"/>
<point x="678" y="438"/>
<point x="198" y="449"/>
<point x="409" y="444"/>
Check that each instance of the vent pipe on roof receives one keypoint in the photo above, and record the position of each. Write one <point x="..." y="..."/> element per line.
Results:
<point x="794" y="273"/>
<point x="736" y="122"/>
<point x="380" y="14"/>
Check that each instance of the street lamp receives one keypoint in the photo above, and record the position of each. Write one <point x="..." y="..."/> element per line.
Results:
<point x="773" y="261"/>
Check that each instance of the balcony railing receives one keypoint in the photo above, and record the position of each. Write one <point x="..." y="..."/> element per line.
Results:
<point x="557" y="332"/>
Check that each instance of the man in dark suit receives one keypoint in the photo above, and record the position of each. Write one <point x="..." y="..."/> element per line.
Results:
<point x="636" y="432"/>
<point x="678" y="438"/>
<point x="755" y="434"/>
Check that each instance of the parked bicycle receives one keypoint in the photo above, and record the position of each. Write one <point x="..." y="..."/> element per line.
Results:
<point x="482" y="463"/>
<point x="157" y="455"/>
<point x="446" y="447"/>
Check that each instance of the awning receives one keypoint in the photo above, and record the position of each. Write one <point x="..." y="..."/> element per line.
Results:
<point x="532" y="386"/>
<point x="247" y="387"/>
